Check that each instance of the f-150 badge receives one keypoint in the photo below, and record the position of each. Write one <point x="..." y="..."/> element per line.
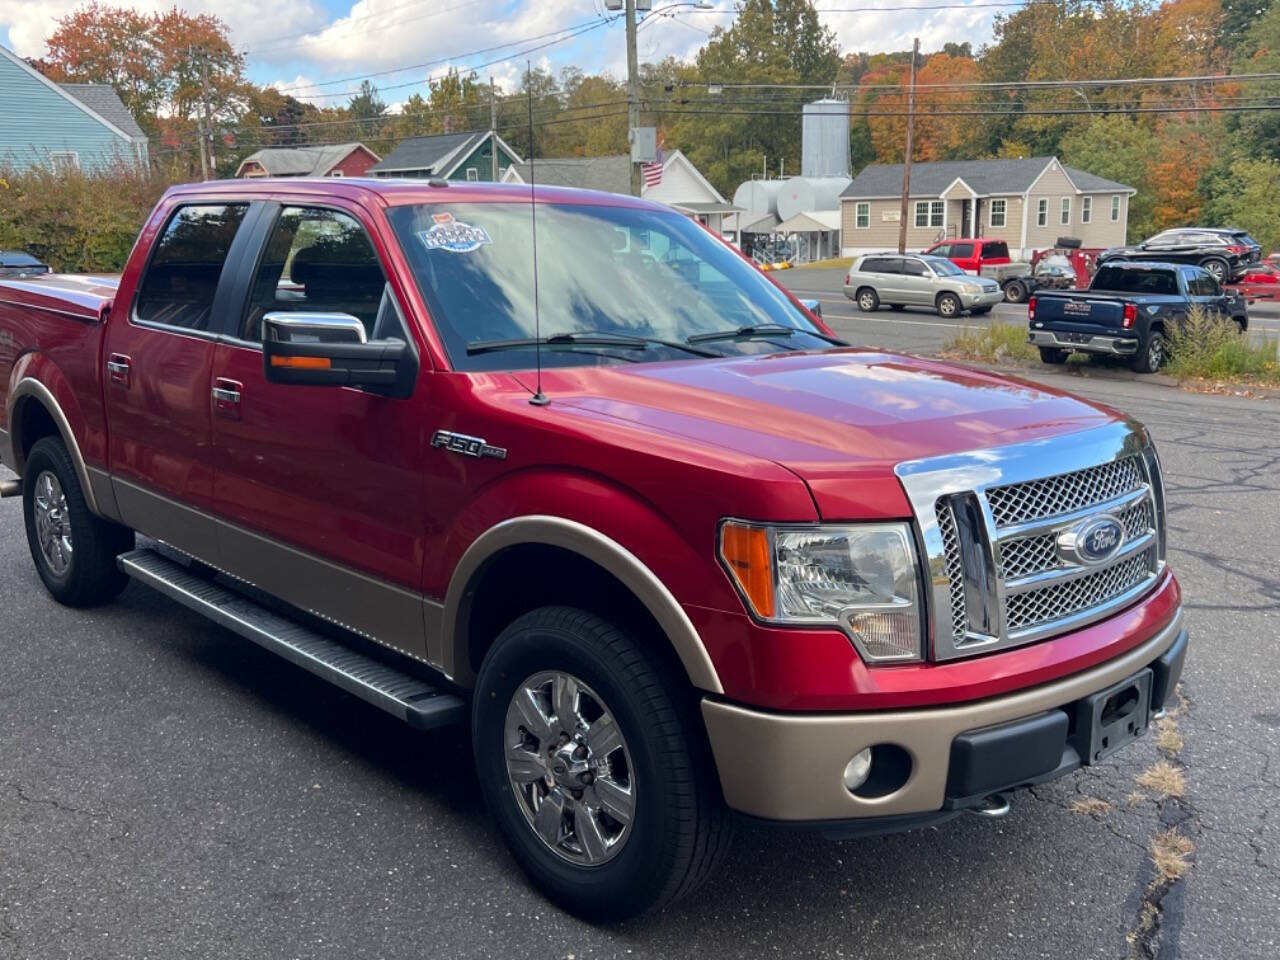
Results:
<point x="453" y="235"/>
<point x="467" y="446"/>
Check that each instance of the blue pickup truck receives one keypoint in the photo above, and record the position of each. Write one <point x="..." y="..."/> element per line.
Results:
<point x="1127" y="311"/>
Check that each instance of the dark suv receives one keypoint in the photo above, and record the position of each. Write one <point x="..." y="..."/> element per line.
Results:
<point x="1224" y="253"/>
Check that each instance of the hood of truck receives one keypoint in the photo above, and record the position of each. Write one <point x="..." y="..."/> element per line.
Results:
<point x="841" y="419"/>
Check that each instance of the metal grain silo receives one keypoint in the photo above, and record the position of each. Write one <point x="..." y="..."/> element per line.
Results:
<point x="825" y="144"/>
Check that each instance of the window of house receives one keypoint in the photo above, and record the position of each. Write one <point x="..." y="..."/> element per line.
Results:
<point x="1115" y="208"/>
<point x="178" y="287"/>
<point x="998" y="212"/>
<point x="1065" y="219"/>
<point x="862" y="216"/>
<point x="929" y="213"/>
<point x="1042" y="213"/>
<point x="473" y="174"/>
<point x="1086" y="209"/>
<point x="316" y="261"/>
<point x="63" y="161"/>
<point x="922" y="213"/>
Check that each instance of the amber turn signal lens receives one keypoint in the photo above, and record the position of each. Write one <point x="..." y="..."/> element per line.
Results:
<point x="302" y="363"/>
<point x="745" y="551"/>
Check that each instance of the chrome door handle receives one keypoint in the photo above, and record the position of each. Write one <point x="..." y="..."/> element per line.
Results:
<point x="226" y="395"/>
<point x="119" y="368"/>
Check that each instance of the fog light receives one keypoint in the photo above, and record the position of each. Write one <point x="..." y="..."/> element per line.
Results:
<point x="857" y="770"/>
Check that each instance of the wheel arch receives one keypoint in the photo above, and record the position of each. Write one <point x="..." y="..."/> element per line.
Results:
<point x="34" y="412"/>
<point x="554" y="547"/>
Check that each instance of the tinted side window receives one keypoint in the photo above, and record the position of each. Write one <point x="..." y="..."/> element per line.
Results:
<point x="178" y="287"/>
<point x="995" y="249"/>
<point x="880" y="265"/>
<point x="316" y="261"/>
<point x="942" y="251"/>
<point x="914" y="268"/>
<point x="962" y="250"/>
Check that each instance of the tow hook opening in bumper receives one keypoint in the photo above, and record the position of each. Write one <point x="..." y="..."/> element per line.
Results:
<point x="10" y="488"/>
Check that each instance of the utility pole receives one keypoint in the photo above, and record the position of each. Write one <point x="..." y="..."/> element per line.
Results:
<point x="493" y="126"/>
<point x="906" y="160"/>
<point x="633" y="86"/>
<point x="206" y="125"/>
<point x="204" y="160"/>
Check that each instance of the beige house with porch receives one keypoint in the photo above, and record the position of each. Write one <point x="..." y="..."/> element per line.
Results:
<point x="1028" y="203"/>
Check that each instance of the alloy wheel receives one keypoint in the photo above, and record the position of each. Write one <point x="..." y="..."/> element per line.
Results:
<point x="570" y="771"/>
<point x="53" y="524"/>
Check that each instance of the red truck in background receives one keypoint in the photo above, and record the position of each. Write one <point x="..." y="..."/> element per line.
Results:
<point x="678" y="554"/>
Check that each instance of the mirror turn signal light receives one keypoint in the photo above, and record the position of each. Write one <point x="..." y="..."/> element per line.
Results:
<point x="301" y="363"/>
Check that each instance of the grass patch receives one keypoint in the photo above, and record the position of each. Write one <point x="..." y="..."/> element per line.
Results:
<point x="1206" y="348"/>
<point x="844" y="263"/>
<point x="1169" y="853"/>
<point x="1168" y="738"/>
<point x="999" y="342"/>
<point x="1163" y="778"/>
<point x="1090" y="806"/>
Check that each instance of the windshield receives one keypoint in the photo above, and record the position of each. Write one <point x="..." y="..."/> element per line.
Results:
<point x="943" y="268"/>
<point x="603" y="270"/>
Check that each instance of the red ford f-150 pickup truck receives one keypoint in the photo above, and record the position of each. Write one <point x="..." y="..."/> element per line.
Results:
<point x="678" y="554"/>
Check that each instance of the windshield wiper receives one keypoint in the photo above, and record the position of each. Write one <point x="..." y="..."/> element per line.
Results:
<point x="585" y="338"/>
<point x="760" y="330"/>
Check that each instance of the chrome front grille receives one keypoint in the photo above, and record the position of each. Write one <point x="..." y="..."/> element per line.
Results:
<point x="1001" y="530"/>
<point x="1051" y="496"/>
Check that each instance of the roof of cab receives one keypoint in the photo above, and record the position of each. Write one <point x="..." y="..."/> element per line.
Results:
<point x="394" y="192"/>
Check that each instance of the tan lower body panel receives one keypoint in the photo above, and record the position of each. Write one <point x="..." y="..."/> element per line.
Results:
<point x="791" y="766"/>
<point x="380" y="611"/>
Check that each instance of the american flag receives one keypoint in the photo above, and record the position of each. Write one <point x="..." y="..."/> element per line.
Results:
<point x="652" y="172"/>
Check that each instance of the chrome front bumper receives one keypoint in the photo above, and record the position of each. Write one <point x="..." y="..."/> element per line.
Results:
<point x="1116" y="346"/>
<point x="790" y="767"/>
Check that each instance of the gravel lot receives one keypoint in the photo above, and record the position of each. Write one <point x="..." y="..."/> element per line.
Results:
<point x="168" y="790"/>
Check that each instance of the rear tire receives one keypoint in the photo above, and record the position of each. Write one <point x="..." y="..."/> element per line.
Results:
<point x="677" y="828"/>
<point x="74" y="551"/>
<point x="1151" y="354"/>
<point x="868" y="300"/>
<point x="949" y="305"/>
<point x="1015" y="292"/>
<point x="1053" y="355"/>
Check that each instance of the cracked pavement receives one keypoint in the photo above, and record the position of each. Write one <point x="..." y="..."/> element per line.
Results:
<point x="168" y="790"/>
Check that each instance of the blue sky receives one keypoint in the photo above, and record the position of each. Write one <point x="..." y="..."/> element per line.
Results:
<point x="310" y="47"/>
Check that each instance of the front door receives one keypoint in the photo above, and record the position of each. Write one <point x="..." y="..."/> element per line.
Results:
<point x="158" y="356"/>
<point x="320" y="489"/>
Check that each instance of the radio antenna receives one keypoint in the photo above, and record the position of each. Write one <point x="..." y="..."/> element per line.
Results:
<point x="539" y="399"/>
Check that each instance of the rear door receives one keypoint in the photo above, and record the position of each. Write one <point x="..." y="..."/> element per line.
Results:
<point x="158" y="353"/>
<point x="320" y="491"/>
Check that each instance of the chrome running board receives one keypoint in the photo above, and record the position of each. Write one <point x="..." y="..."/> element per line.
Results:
<point x="414" y="701"/>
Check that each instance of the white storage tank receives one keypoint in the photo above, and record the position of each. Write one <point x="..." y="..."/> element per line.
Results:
<point x="806" y="194"/>
<point x="758" y="196"/>
<point x="824" y="150"/>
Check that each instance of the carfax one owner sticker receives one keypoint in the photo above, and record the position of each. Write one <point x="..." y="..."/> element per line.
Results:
<point x="453" y="235"/>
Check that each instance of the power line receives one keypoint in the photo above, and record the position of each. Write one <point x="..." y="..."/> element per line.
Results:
<point x="990" y="113"/>
<point x="997" y="84"/>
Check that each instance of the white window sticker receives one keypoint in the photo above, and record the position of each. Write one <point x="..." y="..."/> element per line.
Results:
<point x="453" y="235"/>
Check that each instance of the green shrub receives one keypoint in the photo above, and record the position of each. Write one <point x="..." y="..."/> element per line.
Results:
<point x="75" y="222"/>
<point x="1207" y="348"/>
<point x="991" y="344"/>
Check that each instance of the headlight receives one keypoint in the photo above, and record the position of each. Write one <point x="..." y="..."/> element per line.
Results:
<point x="861" y="578"/>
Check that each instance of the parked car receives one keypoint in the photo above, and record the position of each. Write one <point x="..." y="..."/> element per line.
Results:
<point x="1128" y="311"/>
<point x="918" y="280"/>
<point x="663" y="548"/>
<point x="1224" y="253"/>
<point x="989" y="258"/>
<point x="14" y="263"/>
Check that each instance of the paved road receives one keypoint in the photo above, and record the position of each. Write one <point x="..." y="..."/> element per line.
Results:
<point x="916" y="330"/>
<point x="169" y="791"/>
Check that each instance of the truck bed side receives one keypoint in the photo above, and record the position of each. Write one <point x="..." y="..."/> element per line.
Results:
<point x="50" y="364"/>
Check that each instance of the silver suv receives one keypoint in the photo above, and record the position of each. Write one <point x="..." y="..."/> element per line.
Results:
<point x="918" y="280"/>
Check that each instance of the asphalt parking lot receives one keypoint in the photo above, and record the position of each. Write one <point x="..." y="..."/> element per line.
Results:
<point x="168" y="790"/>
<point x="917" y="330"/>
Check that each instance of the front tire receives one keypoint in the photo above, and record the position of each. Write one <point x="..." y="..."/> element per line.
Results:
<point x="1217" y="269"/>
<point x="590" y="763"/>
<point x="949" y="305"/>
<point x="74" y="551"/>
<point x="1151" y="355"/>
<point x="980" y="311"/>
<point x="868" y="300"/>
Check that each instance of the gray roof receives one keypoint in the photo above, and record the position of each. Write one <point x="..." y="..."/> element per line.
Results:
<point x="986" y="177"/>
<point x="103" y="100"/>
<point x="428" y="154"/>
<point x="300" y="161"/>
<point x="611" y="174"/>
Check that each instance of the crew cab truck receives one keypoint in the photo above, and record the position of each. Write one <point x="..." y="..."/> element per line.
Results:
<point x="678" y="555"/>
<point x="1128" y="311"/>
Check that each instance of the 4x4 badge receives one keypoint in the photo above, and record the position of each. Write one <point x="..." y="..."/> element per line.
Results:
<point x="467" y="446"/>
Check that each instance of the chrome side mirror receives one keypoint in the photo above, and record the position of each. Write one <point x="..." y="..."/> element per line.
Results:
<point x="333" y="350"/>
<point x="285" y="327"/>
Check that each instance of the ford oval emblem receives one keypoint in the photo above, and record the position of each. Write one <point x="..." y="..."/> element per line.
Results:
<point x="1092" y="541"/>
